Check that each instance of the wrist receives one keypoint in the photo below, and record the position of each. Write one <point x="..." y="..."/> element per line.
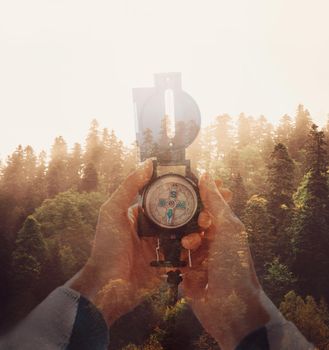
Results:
<point x="110" y="294"/>
<point x="229" y="319"/>
<point x="88" y="281"/>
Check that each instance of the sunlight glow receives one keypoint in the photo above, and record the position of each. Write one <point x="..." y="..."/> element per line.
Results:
<point x="65" y="63"/>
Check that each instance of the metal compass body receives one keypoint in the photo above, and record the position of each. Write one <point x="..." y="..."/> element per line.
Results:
<point x="170" y="201"/>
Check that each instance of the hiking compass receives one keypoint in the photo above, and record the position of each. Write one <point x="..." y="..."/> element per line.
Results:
<point x="168" y="120"/>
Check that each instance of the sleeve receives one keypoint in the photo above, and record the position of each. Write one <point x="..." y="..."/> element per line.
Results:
<point x="64" y="320"/>
<point x="278" y="333"/>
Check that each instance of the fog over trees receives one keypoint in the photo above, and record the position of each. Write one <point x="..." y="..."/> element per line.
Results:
<point x="279" y="178"/>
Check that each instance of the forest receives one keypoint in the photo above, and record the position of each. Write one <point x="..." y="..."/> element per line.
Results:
<point x="279" y="179"/>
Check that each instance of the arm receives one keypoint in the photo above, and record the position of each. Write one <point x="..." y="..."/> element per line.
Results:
<point x="117" y="270"/>
<point x="222" y="287"/>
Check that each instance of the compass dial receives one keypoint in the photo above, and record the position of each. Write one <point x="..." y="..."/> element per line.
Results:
<point x="170" y="201"/>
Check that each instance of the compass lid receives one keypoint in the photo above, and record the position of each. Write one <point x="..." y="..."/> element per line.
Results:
<point x="167" y="118"/>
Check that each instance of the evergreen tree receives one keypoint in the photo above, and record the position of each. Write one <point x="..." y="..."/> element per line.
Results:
<point x="244" y="130"/>
<point x="29" y="254"/>
<point x="89" y="181"/>
<point x="13" y="175"/>
<point x="258" y="226"/>
<point x="207" y="150"/>
<point x="30" y="172"/>
<point x="12" y="194"/>
<point x="30" y="164"/>
<point x="114" y="165"/>
<point x="278" y="280"/>
<point x="131" y="158"/>
<point x="93" y="151"/>
<point x="232" y="162"/>
<point x="284" y="130"/>
<point x="265" y="138"/>
<point x="40" y="181"/>
<point x="74" y="167"/>
<point x="194" y="153"/>
<point x="240" y="196"/>
<point x="311" y="226"/>
<point x="148" y="144"/>
<point x="57" y="169"/>
<point x="280" y="181"/>
<point x="310" y="317"/>
<point x="223" y="134"/>
<point x="299" y="135"/>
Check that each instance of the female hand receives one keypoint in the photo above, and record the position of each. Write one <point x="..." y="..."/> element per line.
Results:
<point x="118" y="272"/>
<point x="222" y="287"/>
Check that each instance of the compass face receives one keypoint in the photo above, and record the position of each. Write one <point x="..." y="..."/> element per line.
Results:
<point x="170" y="201"/>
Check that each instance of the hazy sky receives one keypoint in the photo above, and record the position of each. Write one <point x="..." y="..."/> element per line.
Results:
<point x="64" y="62"/>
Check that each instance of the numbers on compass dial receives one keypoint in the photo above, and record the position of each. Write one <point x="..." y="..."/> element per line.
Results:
<point x="170" y="201"/>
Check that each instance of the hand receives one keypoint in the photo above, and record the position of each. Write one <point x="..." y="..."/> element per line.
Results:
<point x="118" y="271"/>
<point x="222" y="286"/>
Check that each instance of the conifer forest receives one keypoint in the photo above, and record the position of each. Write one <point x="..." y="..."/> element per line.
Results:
<point x="278" y="175"/>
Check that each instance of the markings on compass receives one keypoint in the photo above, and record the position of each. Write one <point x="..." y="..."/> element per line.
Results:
<point x="181" y="205"/>
<point x="165" y="202"/>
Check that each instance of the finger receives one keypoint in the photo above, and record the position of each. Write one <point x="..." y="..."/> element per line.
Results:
<point x="128" y="190"/>
<point x="191" y="241"/>
<point x="226" y="193"/>
<point x="204" y="220"/>
<point x="211" y="198"/>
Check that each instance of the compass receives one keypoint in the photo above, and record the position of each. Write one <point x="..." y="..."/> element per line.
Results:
<point x="167" y="121"/>
<point x="170" y="201"/>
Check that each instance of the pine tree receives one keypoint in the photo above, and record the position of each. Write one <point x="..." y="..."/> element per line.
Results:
<point x="223" y="134"/>
<point x="244" y="130"/>
<point x="284" y="130"/>
<point x="89" y="181"/>
<point x="207" y="150"/>
<point x="74" y="167"/>
<point x="13" y="175"/>
<point x="30" y="164"/>
<point x="113" y="163"/>
<point x="240" y="196"/>
<point x="280" y="181"/>
<point x="30" y="173"/>
<point x="131" y="158"/>
<point x="311" y="226"/>
<point x="194" y="153"/>
<point x="310" y="317"/>
<point x="264" y="136"/>
<point x="148" y="145"/>
<point x="93" y="151"/>
<point x="57" y="169"/>
<point x="40" y="181"/>
<point x="258" y="226"/>
<point x="29" y="254"/>
<point x="299" y="135"/>
<point x="232" y="162"/>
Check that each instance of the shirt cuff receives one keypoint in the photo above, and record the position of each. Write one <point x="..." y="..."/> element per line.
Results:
<point x="49" y="325"/>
